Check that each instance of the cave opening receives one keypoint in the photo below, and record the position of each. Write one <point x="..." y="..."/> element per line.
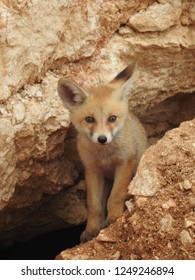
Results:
<point x="45" y="246"/>
<point x="167" y="115"/>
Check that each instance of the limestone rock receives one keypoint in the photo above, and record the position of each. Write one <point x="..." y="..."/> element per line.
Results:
<point x="151" y="231"/>
<point x="185" y="237"/>
<point x="35" y="34"/>
<point x="146" y="182"/>
<point x="33" y="127"/>
<point x="157" y="17"/>
<point x="89" y="42"/>
<point x="7" y="162"/>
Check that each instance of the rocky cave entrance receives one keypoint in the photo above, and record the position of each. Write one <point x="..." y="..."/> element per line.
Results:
<point x="157" y="120"/>
<point x="168" y="114"/>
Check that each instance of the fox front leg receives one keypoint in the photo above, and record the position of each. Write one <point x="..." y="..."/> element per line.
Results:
<point x="95" y="215"/>
<point x="118" y="196"/>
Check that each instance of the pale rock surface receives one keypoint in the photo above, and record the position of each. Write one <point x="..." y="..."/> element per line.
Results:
<point x="35" y="34"/>
<point x="7" y="162"/>
<point x="32" y="165"/>
<point x="90" y="42"/>
<point x="158" y="17"/>
<point x="34" y="126"/>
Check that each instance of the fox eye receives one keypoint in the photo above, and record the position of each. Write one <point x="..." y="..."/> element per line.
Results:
<point x="112" y="118"/>
<point x="89" y="119"/>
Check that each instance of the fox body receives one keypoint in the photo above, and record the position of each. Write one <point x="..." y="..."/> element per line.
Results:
<point x="111" y="141"/>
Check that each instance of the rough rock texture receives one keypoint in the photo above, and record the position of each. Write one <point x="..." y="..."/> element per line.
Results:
<point x="147" y="20"/>
<point x="34" y="162"/>
<point x="35" y="34"/>
<point x="90" y="42"/>
<point x="160" y="221"/>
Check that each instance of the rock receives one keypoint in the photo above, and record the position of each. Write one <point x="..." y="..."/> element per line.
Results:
<point x="166" y="223"/>
<point x="185" y="237"/>
<point x="7" y="162"/>
<point x="115" y="256"/>
<point x="168" y="204"/>
<point x="187" y="185"/>
<point x="89" y="42"/>
<point x="146" y="183"/>
<point x="130" y="205"/>
<point x="33" y="127"/>
<point x="19" y="112"/>
<point x="36" y="34"/>
<point x="190" y="221"/>
<point x="103" y="237"/>
<point x="157" y="17"/>
<point x="152" y="231"/>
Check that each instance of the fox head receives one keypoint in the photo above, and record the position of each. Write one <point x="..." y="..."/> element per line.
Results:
<point x="98" y="112"/>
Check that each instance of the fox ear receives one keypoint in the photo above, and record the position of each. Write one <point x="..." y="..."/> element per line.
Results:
<point x="122" y="80"/>
<point x="71" y="93"/>
<point x="126" y="89"/>
<point x="123" y="76"/>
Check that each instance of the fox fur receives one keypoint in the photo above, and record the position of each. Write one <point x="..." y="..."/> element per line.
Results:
<point x="111" y="141"/>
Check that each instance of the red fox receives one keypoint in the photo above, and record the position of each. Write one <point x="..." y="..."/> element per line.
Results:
<point x="111" y="141"/>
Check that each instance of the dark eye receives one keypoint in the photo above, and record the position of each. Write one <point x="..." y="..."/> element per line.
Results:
<point x="112" y="118"/>
<point x="89" y="119"/>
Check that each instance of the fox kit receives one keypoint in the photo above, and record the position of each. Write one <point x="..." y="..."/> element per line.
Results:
<point x="111" y="141"/>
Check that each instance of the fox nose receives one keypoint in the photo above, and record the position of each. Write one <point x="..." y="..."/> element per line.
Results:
<point x="102" y="139"/>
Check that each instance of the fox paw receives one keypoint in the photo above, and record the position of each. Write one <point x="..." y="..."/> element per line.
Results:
<point x="88" y="235"/>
